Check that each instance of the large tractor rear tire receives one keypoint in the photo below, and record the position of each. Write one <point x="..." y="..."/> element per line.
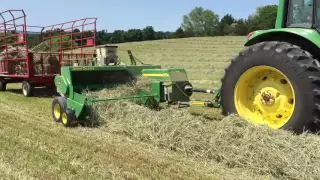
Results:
<point x="275" y="84"/>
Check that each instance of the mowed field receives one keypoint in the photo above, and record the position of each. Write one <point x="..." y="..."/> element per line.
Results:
<point x="33" y="146"/>
<point x="203" y="58"/>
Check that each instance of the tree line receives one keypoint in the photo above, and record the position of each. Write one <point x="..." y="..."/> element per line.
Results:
<point x="198" y="23"/>
<point x="201" y="22"/>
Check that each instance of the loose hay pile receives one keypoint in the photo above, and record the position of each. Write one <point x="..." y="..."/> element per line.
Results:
<point x="231" y="141"/>
<point x="129" y="89"/>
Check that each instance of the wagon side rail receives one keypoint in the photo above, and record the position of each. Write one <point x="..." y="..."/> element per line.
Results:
<point x="13" y="43"/>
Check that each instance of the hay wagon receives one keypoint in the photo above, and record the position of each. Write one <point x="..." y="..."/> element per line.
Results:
<point x="64" y="44"/>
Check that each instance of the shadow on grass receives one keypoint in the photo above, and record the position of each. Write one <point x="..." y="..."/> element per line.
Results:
<point x="38" y="92"/>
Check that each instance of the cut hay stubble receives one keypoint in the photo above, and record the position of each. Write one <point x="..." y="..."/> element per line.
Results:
<point x="231" y="141"/>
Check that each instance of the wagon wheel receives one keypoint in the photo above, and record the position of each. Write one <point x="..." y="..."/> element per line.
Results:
<point x="27" y="89"/>
<point x="274" y="84"/>
<point x="3" y="85"/>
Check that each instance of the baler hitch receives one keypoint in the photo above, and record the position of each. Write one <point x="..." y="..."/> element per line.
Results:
<point x="215" y="103"/>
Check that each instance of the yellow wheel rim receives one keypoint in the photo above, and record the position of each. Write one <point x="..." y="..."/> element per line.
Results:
<point x="57" y="111"/>
<point x="64" y="118"/>
<point x="265" y="96"/>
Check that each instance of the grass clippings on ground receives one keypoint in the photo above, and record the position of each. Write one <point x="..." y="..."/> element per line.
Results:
<point x="231" y="141"/>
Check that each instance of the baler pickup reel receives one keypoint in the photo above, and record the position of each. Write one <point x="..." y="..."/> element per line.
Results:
<point x="167" y="85"/>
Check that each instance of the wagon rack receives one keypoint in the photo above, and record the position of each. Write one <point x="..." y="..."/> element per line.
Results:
<point x="64" y="44"/>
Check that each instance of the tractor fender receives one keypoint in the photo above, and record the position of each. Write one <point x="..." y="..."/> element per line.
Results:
<point x="309" y="36"/>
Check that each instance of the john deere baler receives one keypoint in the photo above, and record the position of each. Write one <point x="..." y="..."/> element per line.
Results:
<point x="167" y="85"/>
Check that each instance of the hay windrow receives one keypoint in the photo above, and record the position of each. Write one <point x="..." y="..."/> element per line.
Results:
<point x="231" y="141"/>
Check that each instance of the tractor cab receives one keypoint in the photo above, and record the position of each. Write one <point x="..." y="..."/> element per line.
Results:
<point x="302" y="13"/>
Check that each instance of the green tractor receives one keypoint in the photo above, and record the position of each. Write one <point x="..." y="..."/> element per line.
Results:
<point x="275" y="80"/>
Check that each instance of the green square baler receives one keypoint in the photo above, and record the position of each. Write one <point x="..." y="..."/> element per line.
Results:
<point x="167" y="85"/>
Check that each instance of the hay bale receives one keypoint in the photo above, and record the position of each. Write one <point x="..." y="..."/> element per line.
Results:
<point x="51" y="59"/>
<point x="47" y="69"/>
<point x="14" y="67"/>
<point x="66" y="63"/>
<point x="55" y="69"/>
<point x="23" y="68"/>
<point x="37" y="69"/>
<point x="44" y="46"/>
<point x="231" y="141"/>
<point x="11" y="54"/>
<point x="37" y="58"/>
<point x="49" y="62"/>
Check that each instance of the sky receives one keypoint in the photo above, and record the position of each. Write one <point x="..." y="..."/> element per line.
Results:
<point x="165" y="15"/>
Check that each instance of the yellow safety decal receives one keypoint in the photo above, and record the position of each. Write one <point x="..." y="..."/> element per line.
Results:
<point x="157" y="75"/>
<point x="197" y="103"/>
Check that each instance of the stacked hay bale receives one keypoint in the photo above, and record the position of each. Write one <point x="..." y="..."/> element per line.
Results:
<point x="43" y="62"/>
<point x="66" y="63"/>
<point x="46" y="63"/>
<point x="17" y="67"/>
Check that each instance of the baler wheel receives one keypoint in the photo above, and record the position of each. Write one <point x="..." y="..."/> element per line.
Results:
<point x="276" y="84"/>
<point x="27" y="89"/>
<point x="59" y="105"/>
<point x="3" y="85"/>
<point x="68" y="118"/>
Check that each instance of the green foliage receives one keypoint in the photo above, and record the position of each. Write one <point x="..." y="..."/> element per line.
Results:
<point x="224" y="27"/>
<point x="179" y="33"/>
<point x="132" y="35"/>
<point x="265" y="18"/>
<point x="149" y="33"/>
<point x="200" y="22"/>
<point x="117" y="36"/>
<point x="33" y="40"/>
<point x="242" y="27"/>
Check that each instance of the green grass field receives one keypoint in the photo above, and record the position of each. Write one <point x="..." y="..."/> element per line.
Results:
<point x="33" y="146"/>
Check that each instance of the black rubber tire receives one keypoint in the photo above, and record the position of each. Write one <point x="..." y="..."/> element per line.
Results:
<point x="71" y="118"/>
<point x="297" y="64"/>
<point x="3" y="85"/>
<point x="61" y="101"/>
<point x="27" y="89"/>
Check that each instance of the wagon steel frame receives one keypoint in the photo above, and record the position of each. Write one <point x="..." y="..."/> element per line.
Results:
<point x="13" y="32"/>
